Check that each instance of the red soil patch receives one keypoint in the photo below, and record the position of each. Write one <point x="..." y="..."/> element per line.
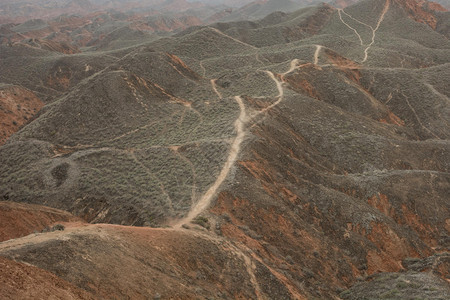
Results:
<point x="421" y="11"/>
<point x="393" y="119"/>
<point x="392" y="249"/>
<point x="277" y="230"/>
<point x="60" y="78"/>
<point x="343" y="3"/>
<point x="17" y="220"/>
<point x="349" y="67"/>
<point x="381" y="203"/>
<point x="300" y="81"/>
<point x="405" y="216"/>
<point x="425" y="231"/>
<point x="17" y="106"/>
<point x="181" y="67"/>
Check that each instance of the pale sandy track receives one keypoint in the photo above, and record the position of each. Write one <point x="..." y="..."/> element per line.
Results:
<point x="230" y="37"/>
<point x="205" y="200"/>
<point x="417" y="116"/>
<point x="241" y="251"/>
<point x="356" y="20"/>
<point x="351" y="28"/>
<point x="235" y="148"/>
<point x="214" y="87"/>
<point x="374" y="30"/>
<point x="280" y="93"/>
<point x="316" y="54"/>
<point x="293" y="65"/>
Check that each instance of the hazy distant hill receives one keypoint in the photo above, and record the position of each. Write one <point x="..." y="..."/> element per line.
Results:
<point x="12" y="11"/>
<point x="259" y="9"/>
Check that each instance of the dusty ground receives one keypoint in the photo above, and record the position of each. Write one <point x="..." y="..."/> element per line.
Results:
<point x="18" y="220"/>
<point x="314" y="168"/>
<point x="17" y="107"/>
<point x="22" y="281"/>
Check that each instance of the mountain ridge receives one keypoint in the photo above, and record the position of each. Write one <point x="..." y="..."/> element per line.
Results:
<point x="299" y="156"/>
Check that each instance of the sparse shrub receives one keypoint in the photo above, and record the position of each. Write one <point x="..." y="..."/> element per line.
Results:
<point x="389" y="294"/>
<point x="58" y="227"/>
<point x="226" y="217"/>
<point x="345" y="294"/>
<point x="202" y="221"/>
<point x="402" y="285"/>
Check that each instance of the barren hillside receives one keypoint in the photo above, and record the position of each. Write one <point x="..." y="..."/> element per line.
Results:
<point x="303" y="155"/>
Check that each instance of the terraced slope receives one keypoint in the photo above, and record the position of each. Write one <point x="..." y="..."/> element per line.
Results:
<point x="307" y="151"/>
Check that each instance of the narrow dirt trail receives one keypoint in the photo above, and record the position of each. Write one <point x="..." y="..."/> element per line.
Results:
<point x="239" y="125"/>
<point x="203" y="68"/>
<point x="356" y="20"/>
<point x="293" y="66"/>
<point x="417" y="116"/>
<point x="316" y="54"/>
<point x="234" y="39"/>
<point x="437" y="93"/>
<point x="155" y="178"/>
<point x="206" y="199"/>
<point x="241" y="251"/>
<point x="214" y="87"/>
<point x="250" y="266"/>
<point x="374" y="31"/>
<point x="36" y="238"/>
<point x="353" y="29"/>
<point x="280" y="92"/>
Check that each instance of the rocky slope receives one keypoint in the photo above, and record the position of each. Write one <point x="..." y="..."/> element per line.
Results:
<point x="300" y="156"/>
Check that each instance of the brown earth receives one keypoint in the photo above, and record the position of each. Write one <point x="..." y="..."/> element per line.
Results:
<point x="111" y="261"/>
<point x="323" y="195"/>
<point x="61" y="47"/>
<point x="23" y="281"/>
<point x="343" y="3"/>
<point x="17" y="107"/>
<point x="17" y="220"/>
<point x="421" y="10"/>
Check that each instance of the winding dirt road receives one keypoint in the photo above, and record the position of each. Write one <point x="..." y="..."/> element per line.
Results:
<point x="374" y="30"/>
<point x="206" y="199"/>
<point x="351" y="28"/>
<point x="235" y="148"/>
